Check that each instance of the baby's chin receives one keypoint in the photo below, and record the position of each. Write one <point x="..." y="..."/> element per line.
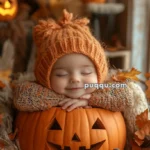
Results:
<point x="80" y="93"/>
<point x="75" y="95"/>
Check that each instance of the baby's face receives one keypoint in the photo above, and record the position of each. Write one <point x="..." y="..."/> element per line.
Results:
<point x="70" y="73"/>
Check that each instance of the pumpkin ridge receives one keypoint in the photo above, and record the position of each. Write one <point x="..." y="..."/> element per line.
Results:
<point x="96" y="119"/>
<point x="119" y="134"/>
<point x="35" y="131"/>
<point x="88" y="124"/>
<point x="20" y="128"/>
<point x="102" y="120"/>
<point x="80" y="125"/>
<point x="26" y="118"/>
<point x="74" y="118"/>
<point x="64" y="122"/>
<point x="116" y="125"/>
<point x="54" y="109"/>
<point x="64" y="128"/>
<point x="54" y="116"/>
<point x="84" y="115"/>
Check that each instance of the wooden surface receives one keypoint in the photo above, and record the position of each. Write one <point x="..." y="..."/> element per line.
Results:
<point x="125" y="56"/>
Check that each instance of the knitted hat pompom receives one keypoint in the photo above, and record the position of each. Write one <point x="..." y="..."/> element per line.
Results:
<point x="55" y="39"/>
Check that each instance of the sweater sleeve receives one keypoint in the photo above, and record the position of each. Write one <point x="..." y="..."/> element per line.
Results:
<point x="30" y="96"/>
<point x="114" y="99"/>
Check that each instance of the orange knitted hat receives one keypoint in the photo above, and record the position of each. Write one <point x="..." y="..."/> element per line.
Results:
<point x="69" y="35"/>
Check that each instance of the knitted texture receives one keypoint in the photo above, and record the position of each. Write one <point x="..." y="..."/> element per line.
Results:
<point x="139" y="105"/>
<point x="30" y="96"/>
<point x="114" y="99"/>
<point x="67" y="36"/>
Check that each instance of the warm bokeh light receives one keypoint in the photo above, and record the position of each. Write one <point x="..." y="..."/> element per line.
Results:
<point x="8" y="9"/>
<point x="7" y="5"/>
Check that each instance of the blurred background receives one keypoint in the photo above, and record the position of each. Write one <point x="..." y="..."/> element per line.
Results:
<point x="122" y="27"/>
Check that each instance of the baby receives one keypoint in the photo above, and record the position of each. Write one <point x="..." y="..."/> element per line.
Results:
<point x="68" y="58"/>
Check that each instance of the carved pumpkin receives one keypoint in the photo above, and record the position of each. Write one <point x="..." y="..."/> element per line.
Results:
<point x="94" y="1"/>
<point x="8" y="9"/>
<point x="80" y="129"/>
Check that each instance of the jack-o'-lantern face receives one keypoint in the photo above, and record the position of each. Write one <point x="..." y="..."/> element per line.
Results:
<point x="80" y="129"/>
<point x="8" y="9"/>
<point x="77" y="140"/>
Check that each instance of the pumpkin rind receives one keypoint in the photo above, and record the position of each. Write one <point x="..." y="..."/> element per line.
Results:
<point x="36" y="130"/>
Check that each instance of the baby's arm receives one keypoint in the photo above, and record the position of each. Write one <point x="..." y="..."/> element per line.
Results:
<point x="114" y="99"/>
<point x="30" y="96"/>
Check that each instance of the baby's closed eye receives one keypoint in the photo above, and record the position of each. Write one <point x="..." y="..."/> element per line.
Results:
<point x="61" y="75"/>
<point x="87" y="71"/>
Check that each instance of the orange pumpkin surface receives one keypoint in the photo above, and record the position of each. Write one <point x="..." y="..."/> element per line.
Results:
<point x="8" y="9"/>
<point x="80" y="129"/>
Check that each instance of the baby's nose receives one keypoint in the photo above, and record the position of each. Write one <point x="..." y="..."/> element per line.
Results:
<point x="75" y="79"/>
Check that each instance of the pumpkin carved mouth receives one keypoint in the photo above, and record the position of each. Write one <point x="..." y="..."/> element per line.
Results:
<point x="93" y="146"/>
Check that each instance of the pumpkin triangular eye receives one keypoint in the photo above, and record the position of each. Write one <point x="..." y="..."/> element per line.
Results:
<point x="76" y="138"/>
<point x="55" y="125"/>
<point x="98" y="124"/>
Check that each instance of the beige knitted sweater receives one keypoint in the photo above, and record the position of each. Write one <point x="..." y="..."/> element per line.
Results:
<point x="30" y="96"/>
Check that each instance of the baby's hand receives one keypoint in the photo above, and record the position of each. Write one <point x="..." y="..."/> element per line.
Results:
<point x="69" y="104"/>
<point x="86" y="96"/>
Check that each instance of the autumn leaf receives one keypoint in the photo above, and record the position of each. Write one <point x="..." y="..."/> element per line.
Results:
<point x="2" y="85"/>
<point x="144" y="128"/>
<point x="13" y="135"/>
<point x="142" y="119"/>
<point x="135" y="146"/>
<point x="147" y="92"/>
<point x="123" y="76"/>
<point x="138" y="141"/>
<point x="140" y="134"/>
<point x="5" y="74"/>
<point x="147" y="75"/>
<point x="1" y="118"/>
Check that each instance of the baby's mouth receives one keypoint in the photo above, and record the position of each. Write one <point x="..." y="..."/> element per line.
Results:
<point x="74" y="89"/>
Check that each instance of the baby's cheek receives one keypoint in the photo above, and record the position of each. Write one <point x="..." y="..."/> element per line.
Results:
<point x="91" y="79"/>
<point x="90" y="90"/>
<point x="60" y="86"/>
